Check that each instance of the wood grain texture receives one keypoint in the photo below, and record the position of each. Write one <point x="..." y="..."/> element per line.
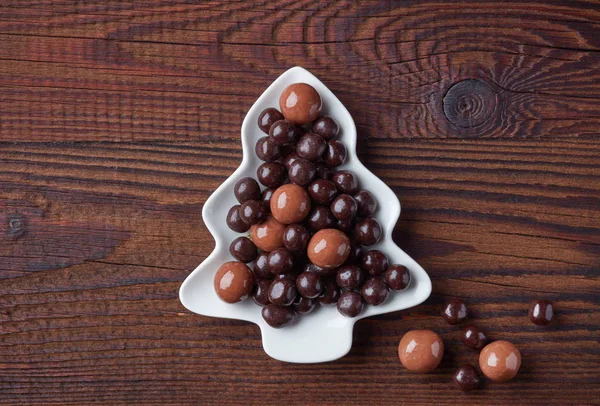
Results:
<point x="119" y="118"/>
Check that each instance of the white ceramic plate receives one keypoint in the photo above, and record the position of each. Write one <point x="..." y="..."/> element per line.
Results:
<point x="325" y="334"/>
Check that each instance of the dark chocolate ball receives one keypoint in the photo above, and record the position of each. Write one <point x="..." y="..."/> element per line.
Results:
<point x="473" y="337"/>
<point x="349" y="277"/>
<point x="282" y="291"/>
<point x="311" y="146"/>
<point x="343" y="207"/>
<point x="374" y="262"/>
<point x="331" y="293"/>
<point x="267" y="150"/>
<point x="261" y="267"/>
<point x="289" y="159"/>
<point x="541" y="312"/>
<point x="253" y="212"/>
<point x="304" y="305"/>
<point x="302" y="171"/>
<point x="374" y="291"/>
<point x="366" y="203"/>
<point x="261" y="292"/>
<point x="322" y="272"/>
<point x="368" y="231"/>
<point x="466" y="378"/>
<point x="246" y="189"/>
<point x="271" y="174"/>
<point x="235" y="222"/>
<point x="280" y="260"/>
<point x="454" y="311"/>
<point x="322" y="191"/>
<point x="320" y="217"/>
<point x="397" y="277"/>
<point x="326" y="127"/>
<point x="309" y="284"/>
<point x="282" y="132"/>
<point x="347" y="225"/>
<point x="350" y="303"/>
<point x="323" y="172"/>
<point x="267" y="118"/>
<point x="243" y="249"/>
<point x="345" y="181"/>
<point x="265" y="197"/>
<point x="278" y="316"/>
<point x="295" y="238"/>
<point x="335" y="154"/>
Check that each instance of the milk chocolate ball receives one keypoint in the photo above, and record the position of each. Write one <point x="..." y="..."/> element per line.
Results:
<point x="328" y="248"/>
<point x="233" y="282"/>
<point x="300" y="103"/>
<point x="267" y="235"/>
<point x="500" y="360"/>
<point x="421" y="350"/>
<point x="290" y="204"/>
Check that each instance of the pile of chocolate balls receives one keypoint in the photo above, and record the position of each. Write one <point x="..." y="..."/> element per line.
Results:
<point x="308" y="226"/>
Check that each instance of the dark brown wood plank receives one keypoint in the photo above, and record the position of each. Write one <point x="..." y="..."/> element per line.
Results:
<point x="118" y="119"/>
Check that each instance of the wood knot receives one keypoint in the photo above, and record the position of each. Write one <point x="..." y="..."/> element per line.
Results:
<point x="470" y="103"/>
<point x="15" y="225"/>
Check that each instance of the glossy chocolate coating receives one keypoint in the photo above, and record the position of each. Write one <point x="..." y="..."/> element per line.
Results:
<point x="374" y="262"/>
<point x="261" y="292"/>
<point x="331" y="293"/>
<point x="366" y="203"/>
<point x="266" y="195"/>
<point x="466" y="378"/>
<point x="323" y="172"/>
<point x="289" y="159"/>
<point x="349" y="277"/>
<point x="243" y="249"/>
<point x="271" y="174"/>
<point x="322" y="272"/>
<point x="295" y="238"/>
<point x="500" y="360"/>
<point x="347" y="225"/>
<point x="328" y="248"/>
<point x="326" y="127"/>
<point x="311" y="146"/>
<point x="541" y="312"/>
<point x="302" y="171"/>
<point x="319" y="218"/>
<point x="335" y="154"/>
<point x="350" y="303"/>
<point x="454" y="311"/>
<point x="253" y="212"/>
<point x="322" y="191"/>
<point x="267" y="235"/>
<point x="397" y="277"/>
<point x="421" y="351"/>
<point x="473" y="337"/>
<point x="267" y="118"/>
<point x="234" y="221"/>
<point x="246" y="189"/>
<point x="368" y="231"/>
<point x="304" y="305"/>
<point x="282" y="132"/>
<point x="309" y="284"/>
<point x="290" y="204"/>
<point x="261" y="267"/>
<point x="374" y="291"/>
<point x="278" y="316"/>
<point x="280" y="260"/>
<point x="345" y="181"/>
<point x="343" y="207"/>
<point x="282" y="291"/>
<point x="267" y="150"/>
<point x="300" y="103"/>
<point x="233" y="282"/>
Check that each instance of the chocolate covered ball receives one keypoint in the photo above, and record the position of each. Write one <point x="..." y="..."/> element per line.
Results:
<point x="282" y="132"/>
<point x="349" y="277"/>
<point x="271" y="174"/>
<point x="335" y="154"/>
<point x="300" y="103"/>
<point x="473" y="337"/>
<point x="309" y="284"/>
<point x="397" y="277"/>
<point x="350" y="303"/>
<point x="319" y="218"/>
<point x="266" y="195"/>
<point x="328" y="248"/>
<point x="253" y="212"/>
<point x="243" y="249"/>
<point x="331" y="293"/>
<point x="326" y="127"/>
<point x="267" y="150"/>
<point x="368" y="231"/>
<point x="261" y="292"/>
<point x="421" y="351"/>
<point x="322" y="191"/>
<point x="282" y="291"/>
<point x="267" y="118"/>
<point x="246" y="189"/>
<point x="267" y="235"/>
<point x="500" y="360"/>
<point x="278" y="316"/>
<point x="374" y="291"/>
<point x="366" y="203"/>
<point x="302" y="171"/>
<point x="345" y="181"/>
<point x="541" y="312"/>
<point x="295" y="238"/>
<point x="289" y="159"/>
<point x="280" y="260"/>
<point x="466" y="378"/>
<point x="304" y="305"/>
<point x="261" y="267"/>
<point x="454" y="311"/>
<point x="311" y="146"/>
<point x="343" y="207"/>
<point x="374" y="262"/>
<point x="290" y="204"/>
<point x="235" y="222"/>
<point x="233" y="282"/>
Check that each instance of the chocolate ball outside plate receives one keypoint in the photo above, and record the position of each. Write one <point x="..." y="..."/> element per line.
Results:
<point x="500" y="361"/>
<point x="454" y="311"/>
<point x="466" y="378"/>
<point x="541" y="312"/>
<point x="473" y="337"/>
<point x="233" y="282"/>
<point x="421" y="351"/>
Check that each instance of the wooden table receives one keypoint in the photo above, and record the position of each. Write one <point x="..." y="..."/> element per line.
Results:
<point x="119" y="118"/>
